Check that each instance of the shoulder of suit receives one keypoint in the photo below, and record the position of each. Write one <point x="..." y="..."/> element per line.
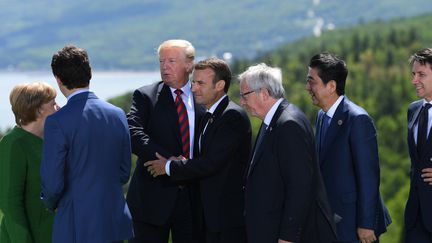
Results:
<point x="354" y="109"/>
<point x="415" y="104"/>
<point x="150" y="87"/>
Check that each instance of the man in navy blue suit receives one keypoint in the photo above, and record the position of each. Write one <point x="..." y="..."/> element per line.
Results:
<point x="418" y="212"/>
<point x="347" y="149"/>
<point x="86" y="159"/>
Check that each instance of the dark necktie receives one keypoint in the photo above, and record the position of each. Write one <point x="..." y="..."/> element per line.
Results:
<point x="183" y="122"/>
<point x="203" y="125"/>
<point x="258" y="143"/>
<point x="325" y="123"/>
<point x="422" y="128"/>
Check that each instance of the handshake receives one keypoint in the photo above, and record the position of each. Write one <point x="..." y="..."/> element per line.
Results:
<point x="157" y="167"/>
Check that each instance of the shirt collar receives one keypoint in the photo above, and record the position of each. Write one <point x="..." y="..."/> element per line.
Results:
<point x="333" y="108"/>
<point x="271" y="112"/>
<point x="425" y="102"/>
<point x="78" y="92"/>
<point x="215" y="105"/>
<point x="186" y="89"/>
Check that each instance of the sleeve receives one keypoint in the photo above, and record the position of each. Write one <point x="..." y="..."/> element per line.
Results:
<point x="228" y="136"/>
<point x="294" y="151"/>
<point x="53" y="163"/>
<point x="364" y="148"/>
<point x="125" y="166"/>
<point x="13" y="168"/>
<point x="138" y="119"/>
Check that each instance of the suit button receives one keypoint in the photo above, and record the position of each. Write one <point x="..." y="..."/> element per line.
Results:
<point x="244" y="187"/>
<point x="430" y="159"/>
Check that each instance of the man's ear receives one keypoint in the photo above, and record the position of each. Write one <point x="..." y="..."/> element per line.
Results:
<point x="220" y="85"/>
<point x="59" y="82"/>
<point x="332" y="85"/>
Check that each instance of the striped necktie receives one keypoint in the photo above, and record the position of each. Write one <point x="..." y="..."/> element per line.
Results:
<point x="183" y="123"/>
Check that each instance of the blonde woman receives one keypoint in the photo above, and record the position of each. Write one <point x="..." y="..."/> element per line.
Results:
<point x="25" y="217"/>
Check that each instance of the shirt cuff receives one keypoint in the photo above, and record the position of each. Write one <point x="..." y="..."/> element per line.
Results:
<point x="167" y="167"/>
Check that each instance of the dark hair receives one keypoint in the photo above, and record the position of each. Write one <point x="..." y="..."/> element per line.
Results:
<point x="423" y="56"/>
<point x="220" y="68"/>
<point x="330" y="67"/>
<point x="71" y="65"/>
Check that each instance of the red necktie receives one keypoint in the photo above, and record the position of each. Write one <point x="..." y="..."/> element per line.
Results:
<point x="183" y="122"/>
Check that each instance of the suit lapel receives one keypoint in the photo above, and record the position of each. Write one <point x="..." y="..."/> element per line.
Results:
<point x="212" y="122"/>
<point x="255" y="159"/>
<point x="412" y="122"/>
<point x="166" y="98"/>
<point x="337" y="123"/>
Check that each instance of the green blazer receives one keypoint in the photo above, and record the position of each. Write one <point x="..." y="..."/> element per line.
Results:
<point x="25" y="218"/>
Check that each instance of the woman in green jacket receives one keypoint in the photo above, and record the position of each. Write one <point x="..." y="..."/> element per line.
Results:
<point x="25" y="218"/>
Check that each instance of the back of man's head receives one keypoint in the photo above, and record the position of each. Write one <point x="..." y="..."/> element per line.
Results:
<point x="72" y="66"/>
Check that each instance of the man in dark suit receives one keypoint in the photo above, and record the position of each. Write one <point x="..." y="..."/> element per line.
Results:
<point x="418" y="212"/>
<point x="348" y="153"/>
<point x="162" y="119"/>
<point x="86" y="159"/>
<point x="223" y="144"/>
<point x="285" y="199"/>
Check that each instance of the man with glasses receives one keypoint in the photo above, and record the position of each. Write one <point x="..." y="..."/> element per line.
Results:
<point x="285" y="199"/>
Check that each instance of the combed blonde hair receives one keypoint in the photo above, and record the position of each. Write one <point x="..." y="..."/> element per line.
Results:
<point x="188" y="48"/>
<point x="27" y="98"/>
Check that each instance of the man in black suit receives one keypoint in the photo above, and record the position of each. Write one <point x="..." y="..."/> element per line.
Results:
<point x="285" y="199"/>
<point x="223" y="142"/>
<point x="162" y="119"/>
<point x="418" y="211"/>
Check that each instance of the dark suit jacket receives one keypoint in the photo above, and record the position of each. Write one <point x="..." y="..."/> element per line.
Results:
<point x="86" y="160"/>
<point x="420" y="195"/>
<point x="225" y="149"/>
<point x="285" y="196"/>
<point x="350" y="168"/>
<point x="153" y="125"/>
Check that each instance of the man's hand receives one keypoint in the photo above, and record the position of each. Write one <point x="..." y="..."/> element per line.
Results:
<point x="283" y="241"/>
<point x="427" y="175"/>
<point x="366" y="235"/>
<point x="156" y="167"/>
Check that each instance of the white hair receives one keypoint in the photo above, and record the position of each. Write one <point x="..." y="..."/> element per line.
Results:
<point x="262" y="76"/>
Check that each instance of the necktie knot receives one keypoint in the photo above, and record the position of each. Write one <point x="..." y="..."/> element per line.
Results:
<point x="427" y="106"/>
<point x="178" y="92"/>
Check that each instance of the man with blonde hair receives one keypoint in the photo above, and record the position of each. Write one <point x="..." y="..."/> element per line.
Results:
<point x="162" y="120"/>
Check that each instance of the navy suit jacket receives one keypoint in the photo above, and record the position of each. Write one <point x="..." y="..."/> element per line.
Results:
<point x="153" y="125"/>
<point x="350" y="167"/>
<point x="225" y="148"/>
<point x="420" y="195"/>
<point x="86" y="160"/>
<point x="285" y="196"/>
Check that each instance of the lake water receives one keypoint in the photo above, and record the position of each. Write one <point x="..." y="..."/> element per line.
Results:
<point x="105" y="85"/>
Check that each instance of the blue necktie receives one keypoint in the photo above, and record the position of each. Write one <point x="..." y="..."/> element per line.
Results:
<point x="324" y="126"/>
<point x="258" y="143"/>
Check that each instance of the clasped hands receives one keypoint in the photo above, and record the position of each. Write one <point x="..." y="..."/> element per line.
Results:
<point x="157" y="167"/>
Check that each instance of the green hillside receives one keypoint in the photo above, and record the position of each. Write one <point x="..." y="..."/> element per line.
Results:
<point x="379" y="80"/>
<point x="124" y="34"/>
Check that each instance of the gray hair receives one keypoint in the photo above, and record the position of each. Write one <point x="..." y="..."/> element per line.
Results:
<point x="262" y="76"/>
<point x="188" y="48"/>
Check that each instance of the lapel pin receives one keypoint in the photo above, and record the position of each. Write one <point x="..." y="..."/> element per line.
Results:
<point x="270" y="129"/>
<point x="210" y="119"/>
<point x="340" y="122"/>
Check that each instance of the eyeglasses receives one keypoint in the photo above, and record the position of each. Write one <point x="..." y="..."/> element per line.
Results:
<point x="243" y="95"/>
